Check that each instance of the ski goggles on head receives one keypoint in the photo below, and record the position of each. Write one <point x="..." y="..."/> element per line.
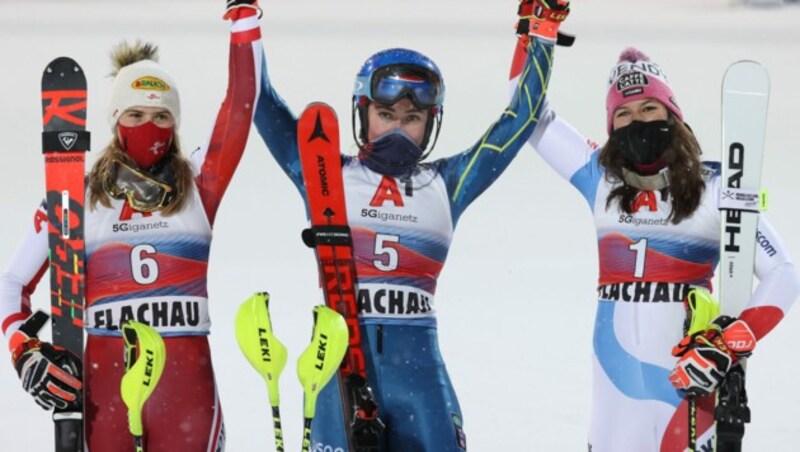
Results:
<point x="143" y="192"/>
<point x="392" y="83"/>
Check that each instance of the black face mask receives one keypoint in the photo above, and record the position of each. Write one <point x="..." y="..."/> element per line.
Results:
<point x="393" y="153"/>
<point x="643" y="142"/>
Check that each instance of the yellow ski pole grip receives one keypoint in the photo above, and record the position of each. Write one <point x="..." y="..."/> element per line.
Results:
<point x="145" y="357"/>
<point x="703" y="309"/>
<point x="263" y="351"/>
<point x="258" y="343"/>
<point x="324" y="355"/>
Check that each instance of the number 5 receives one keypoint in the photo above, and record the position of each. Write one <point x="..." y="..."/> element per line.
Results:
<point x="391" y="253"/>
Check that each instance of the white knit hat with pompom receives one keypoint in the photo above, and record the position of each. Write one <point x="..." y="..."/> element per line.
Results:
<point x="141" y="82"/>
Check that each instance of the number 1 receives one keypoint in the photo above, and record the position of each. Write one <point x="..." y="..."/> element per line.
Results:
<point x="641" y="254"/>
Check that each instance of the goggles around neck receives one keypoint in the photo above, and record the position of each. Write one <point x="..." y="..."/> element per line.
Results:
<point x="143" y="192"/>
<point x="391" y="83"/>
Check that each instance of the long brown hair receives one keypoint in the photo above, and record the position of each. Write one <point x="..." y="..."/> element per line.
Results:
<point x="101" y="174"/>
<point x="685" y="173"/>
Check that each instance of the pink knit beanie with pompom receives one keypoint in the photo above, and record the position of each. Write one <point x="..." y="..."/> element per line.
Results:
<point x="635" y="77"/>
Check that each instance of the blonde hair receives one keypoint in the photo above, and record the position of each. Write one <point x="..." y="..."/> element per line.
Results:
<point x="102" y="173"/>
<point x="122" y="55"/>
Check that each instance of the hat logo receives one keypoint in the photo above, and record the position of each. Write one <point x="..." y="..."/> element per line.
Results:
<point x="632" y="79"/>
<point x="150" y="83"/>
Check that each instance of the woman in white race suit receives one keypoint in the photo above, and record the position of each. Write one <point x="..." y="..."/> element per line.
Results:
<point x="655" y="207"/>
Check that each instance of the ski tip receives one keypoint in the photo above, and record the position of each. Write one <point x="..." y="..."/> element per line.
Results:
<point x="749" y="66"/>
<point x="746" y="76"/>
<point x="63" y="73"/>
<point x="63" y="63"/>
<point x="319" y="107"/>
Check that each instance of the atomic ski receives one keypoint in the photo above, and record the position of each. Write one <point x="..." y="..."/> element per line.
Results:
<point x="318" y="142"/>
<point x="64" y="143"/>
<point x="745" y="95"/>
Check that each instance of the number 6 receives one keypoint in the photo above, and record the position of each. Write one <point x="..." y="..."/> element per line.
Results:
<point x="144" y="269"/>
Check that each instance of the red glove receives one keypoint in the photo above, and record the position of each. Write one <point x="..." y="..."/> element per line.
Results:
<point x="541" y="17"/>
<point x="51" y="374"/>
<point x="239" y="9"/>
<point x="739" y="338"/>
<point x="707" y="356"/>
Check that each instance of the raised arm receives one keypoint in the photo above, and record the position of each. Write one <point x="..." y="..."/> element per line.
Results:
<point x="277" y="126"/>
<point x="565" y="149"/>
<point x="468" y="174"/>
<point x="218" y="158"/>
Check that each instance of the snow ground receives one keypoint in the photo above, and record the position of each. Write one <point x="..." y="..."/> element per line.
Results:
<point x="516" y="301"/>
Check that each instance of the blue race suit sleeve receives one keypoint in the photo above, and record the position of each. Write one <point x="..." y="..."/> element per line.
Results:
<point x="469" y="173"/>
<point x="277" y="126"/>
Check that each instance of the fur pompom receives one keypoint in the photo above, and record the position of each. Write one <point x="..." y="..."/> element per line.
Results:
<point x="125" y="53"/>
<point x="633" y="55"/>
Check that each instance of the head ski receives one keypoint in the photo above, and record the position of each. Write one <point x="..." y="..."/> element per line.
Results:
<point x="745" y="95"/>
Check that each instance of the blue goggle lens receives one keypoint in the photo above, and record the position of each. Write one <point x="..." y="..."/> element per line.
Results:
<point x="392" y="83"/>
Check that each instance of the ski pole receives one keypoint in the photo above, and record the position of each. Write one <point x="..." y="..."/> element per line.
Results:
<point x="145" y="356"/>
<point x="320" y="361"/>
<point x="264" y="352"/>
<point x="702" y="309"/>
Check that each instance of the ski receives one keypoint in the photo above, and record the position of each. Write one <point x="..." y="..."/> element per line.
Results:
<point x="64" y="144"/>
<point x="318" y="143"/>
<point x="745" y="95"/>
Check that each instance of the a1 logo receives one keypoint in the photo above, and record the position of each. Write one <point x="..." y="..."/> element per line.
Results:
<point x="387" y="191"/>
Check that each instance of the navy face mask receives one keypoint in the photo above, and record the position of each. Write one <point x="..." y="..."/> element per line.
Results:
<point x="394" y="153"/>
<point x="641" y="142"/>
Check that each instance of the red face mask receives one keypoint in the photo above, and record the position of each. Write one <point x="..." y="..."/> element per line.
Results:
<point x="146" y="144"/>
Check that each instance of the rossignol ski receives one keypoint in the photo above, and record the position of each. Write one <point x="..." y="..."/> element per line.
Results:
<point x="318" y="142"/>
<point x="64" y="144"/>
<point x="745" y="95"/>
